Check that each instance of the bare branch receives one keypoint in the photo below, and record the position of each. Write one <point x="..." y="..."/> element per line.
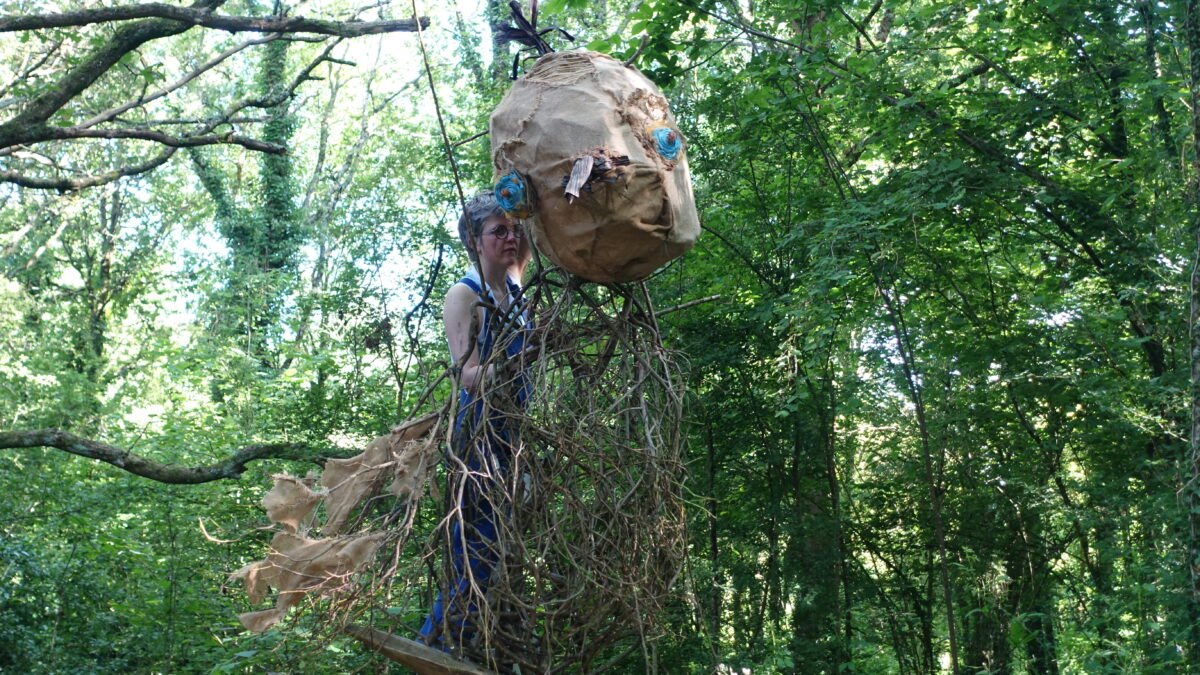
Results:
<point x="685" y="305"/>
<point x="81" y="182"/>
<point x="142" y="24"/>
<point x="230" y="467"/>
<point x="23" y="127"/>
<point x="464" y="141"/>
<point x="215" y="120"/>
<point x="271" y="101"/>
<point x="191" y="16"/>
<point x="70" y="133"/>
<point x="208" y="65"/>
<point x="26" y="70"/>
<point x="48" y="244"/>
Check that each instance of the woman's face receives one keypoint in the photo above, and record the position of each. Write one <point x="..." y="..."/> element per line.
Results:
<point x="499" y="243"/>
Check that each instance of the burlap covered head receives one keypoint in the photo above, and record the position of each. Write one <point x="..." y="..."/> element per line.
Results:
<point x="587" y="114"/>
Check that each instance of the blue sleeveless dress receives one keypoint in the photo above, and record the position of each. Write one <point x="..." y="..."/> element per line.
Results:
<point x="485" y="446"/>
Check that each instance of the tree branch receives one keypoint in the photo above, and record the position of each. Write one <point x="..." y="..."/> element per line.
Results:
<point x="231" y="467"/>
<point x="192" y="16"/>
<point x="204" y="133"/>
<point x="81" y="182"/>
<point x="685" y="305"/>
<point x="143" y="100"/>
<point x="28" y="69"/>
<point x="127" y="38"/>
<point x="151" y="21"/>
<point x="70" y="133"/>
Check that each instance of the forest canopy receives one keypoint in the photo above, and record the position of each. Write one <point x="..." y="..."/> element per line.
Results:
<point x="937" y="331"/>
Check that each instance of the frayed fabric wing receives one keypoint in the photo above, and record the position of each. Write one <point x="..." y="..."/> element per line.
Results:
<point x="297" y="564"/>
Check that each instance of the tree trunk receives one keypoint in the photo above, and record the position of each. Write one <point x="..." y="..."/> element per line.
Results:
<point x="1042" y="647"/>
<point x="714" y="592"/>
<point x="816" y="555"/>
<point x="1191" y="492"/>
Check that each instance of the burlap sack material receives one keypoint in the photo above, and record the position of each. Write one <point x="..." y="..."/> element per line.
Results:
<point x="298" y="565"/>
<point x="628" y="220"/>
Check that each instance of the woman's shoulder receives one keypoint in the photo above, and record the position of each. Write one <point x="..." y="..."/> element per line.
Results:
<point x="469" y="282"/>
<point x="461" y="293"/>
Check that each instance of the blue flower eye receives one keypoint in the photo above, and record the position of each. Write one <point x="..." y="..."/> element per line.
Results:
<point x="667" y="141"/>
<point x="510" y="195"/>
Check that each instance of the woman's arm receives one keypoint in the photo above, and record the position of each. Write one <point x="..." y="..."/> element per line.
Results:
<point x="461" y="305"/>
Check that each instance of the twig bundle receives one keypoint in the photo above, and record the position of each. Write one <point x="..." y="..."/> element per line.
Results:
<point x="562" y="484"/>
<point x="595" y="538"/>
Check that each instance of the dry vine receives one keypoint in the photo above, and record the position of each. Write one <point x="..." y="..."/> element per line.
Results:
<point x="585" y="497"/>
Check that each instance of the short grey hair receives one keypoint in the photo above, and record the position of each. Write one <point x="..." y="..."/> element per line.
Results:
<point x="470" y="225"/>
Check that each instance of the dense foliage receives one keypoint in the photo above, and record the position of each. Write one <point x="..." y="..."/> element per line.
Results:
<point x="938" y="416"/>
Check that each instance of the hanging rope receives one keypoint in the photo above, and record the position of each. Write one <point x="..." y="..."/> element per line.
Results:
<point x="437" y="108"/>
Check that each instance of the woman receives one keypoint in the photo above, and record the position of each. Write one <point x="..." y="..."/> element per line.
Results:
<point x="484" y="315"/>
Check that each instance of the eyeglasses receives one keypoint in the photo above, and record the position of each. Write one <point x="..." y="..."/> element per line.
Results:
<point x="501" y="232"/>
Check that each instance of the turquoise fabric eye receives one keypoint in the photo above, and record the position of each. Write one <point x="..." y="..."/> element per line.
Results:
<point x="668" y="141"/>
<point x="510" y="195"/>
